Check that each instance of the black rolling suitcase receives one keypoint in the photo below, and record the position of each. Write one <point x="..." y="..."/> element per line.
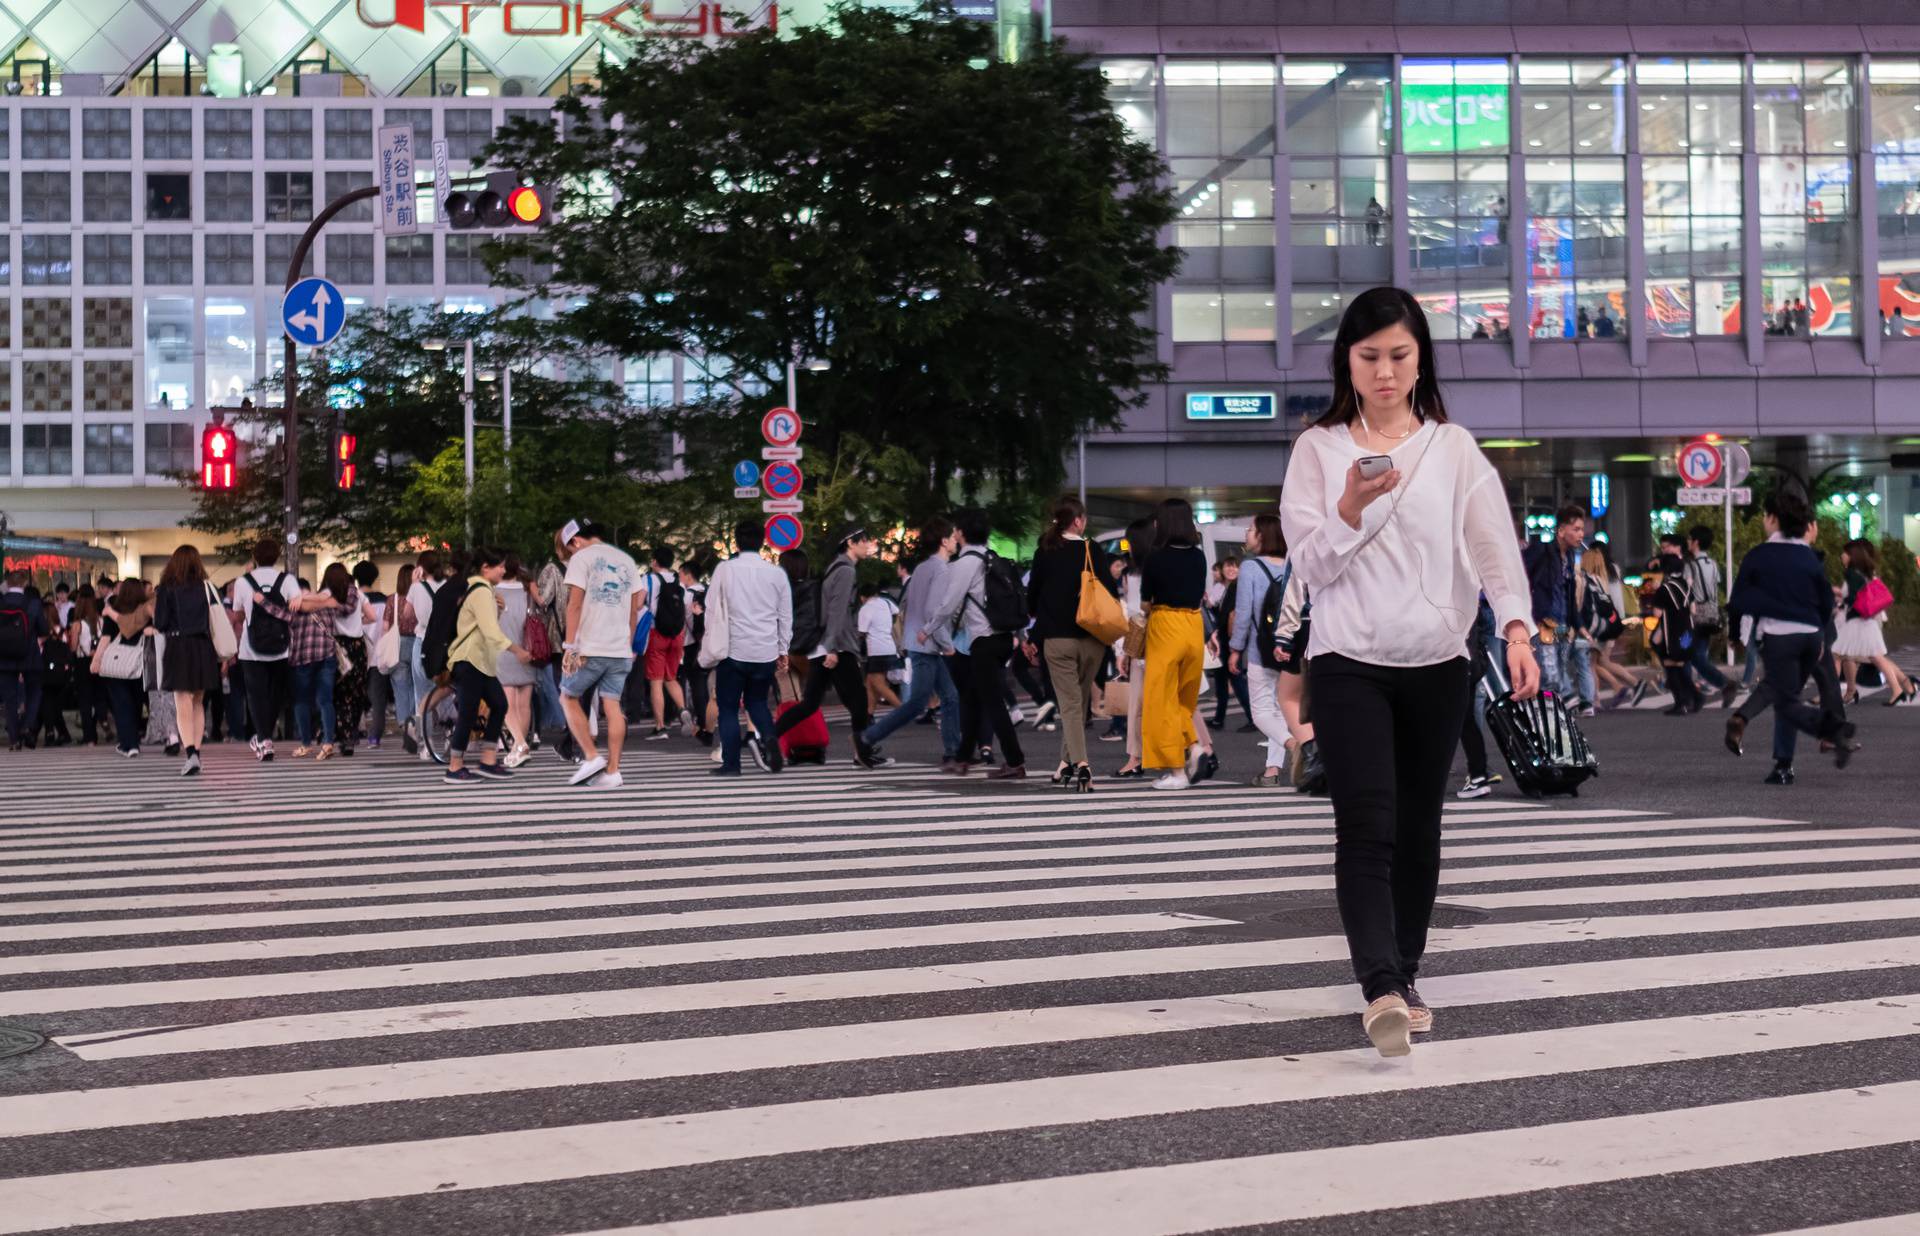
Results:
<point x="1540" y="738"/>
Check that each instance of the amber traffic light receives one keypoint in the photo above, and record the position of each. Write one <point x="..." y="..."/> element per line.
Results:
<point x="218" y="446"/>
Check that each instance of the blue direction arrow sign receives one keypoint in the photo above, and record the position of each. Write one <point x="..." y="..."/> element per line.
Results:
<point x="782" y="480"/>
<point x="746" y="474"/>
<point x="312" y="312"/>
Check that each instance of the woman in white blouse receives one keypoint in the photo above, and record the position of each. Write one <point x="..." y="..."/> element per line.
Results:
<point x="1395" y="564"/>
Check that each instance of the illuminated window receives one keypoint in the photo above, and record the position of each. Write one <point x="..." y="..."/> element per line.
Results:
<point x="1455" y="129"/>
<point x="230" y="351"/>
<point x="1691" y="145"/>
<point x="1573" y="116"/>
<point x="1220" y="136"/>
<point x="1805" y="134"/>
<point x="169" y="352"/>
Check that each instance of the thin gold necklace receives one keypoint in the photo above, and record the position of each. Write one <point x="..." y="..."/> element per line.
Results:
<point x="1387" y="437"/>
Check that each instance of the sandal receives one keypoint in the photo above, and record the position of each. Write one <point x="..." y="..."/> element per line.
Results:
<point x="1128" y="774"/>
<point x="327" y="751"/>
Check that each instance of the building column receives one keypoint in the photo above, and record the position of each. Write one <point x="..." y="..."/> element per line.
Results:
<point x="1636" y="306"/>
<point x="1753" y="322"/>
<point x="1397" y="191"/>
<point x="1162" y="295"/>
<point x="1282" y="225"/>
<point x="1519" y="314"/>
<point x="1866" y="200"/>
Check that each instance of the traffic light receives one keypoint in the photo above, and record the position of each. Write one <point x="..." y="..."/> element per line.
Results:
<point x="505" y="203"/>
<point x="343" y="466"/>
<point x="218" y="446"/>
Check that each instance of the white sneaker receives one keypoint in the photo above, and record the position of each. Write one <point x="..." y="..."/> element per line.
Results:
<point x="518" y="756"/>
<point x="588" y="770"/>
<point x="1016" y="716"/>
<point x="608" y="781"/>
<point x="1045" y="713"/>
<point x="1173" y="781"/>
<point x="686" y="723"/>
<point x="715" y="757"/>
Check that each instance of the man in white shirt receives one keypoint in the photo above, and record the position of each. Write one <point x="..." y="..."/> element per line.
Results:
<point x="426" y="584"/>
<point x="266" y="674"/>
<point x="604" y="600"/>
<point x="749" y="612"/>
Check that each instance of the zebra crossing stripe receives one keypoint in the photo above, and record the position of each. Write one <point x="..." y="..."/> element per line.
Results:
<point x="859" y="984"/>
<point x="1349" y="1180"/>
<point x="575" y="901"/>
<point x="1886" y="1115"/>
<point x="585" y="961"/>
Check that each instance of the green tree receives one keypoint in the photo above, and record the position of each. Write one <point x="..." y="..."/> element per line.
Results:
<point x="578" y="448"/>
<point x="972" y="245"/>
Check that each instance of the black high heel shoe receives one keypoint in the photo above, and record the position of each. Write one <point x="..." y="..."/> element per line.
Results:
<point x="1083" y="779"/>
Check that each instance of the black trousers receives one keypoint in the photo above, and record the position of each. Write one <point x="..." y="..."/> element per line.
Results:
<point x="268" y="692"/>
<point x="1786" y="662"/>
<point x="1386" y="736"/>
<point x="694" y="682"/>
<point x="983" y="704"/>
<point x="848" y="682"/>
<point x="473" y="686"/>
<point x="1227" y="684"/>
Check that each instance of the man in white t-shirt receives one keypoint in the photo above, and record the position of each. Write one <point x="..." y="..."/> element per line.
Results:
<point x="426" y="583"/>
<point x="265" y="672"/>
<point x="604" y="599"/>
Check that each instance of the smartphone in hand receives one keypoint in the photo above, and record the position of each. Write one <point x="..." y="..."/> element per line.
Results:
<point x="1375" y="466"/>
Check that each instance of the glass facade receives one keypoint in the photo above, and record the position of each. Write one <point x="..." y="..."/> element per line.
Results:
<point x="1634" y="192"/>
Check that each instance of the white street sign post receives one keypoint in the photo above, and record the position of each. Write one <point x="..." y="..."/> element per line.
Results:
<point x="783" y="506"/>
<point x="442" y="184"/>
<point x="394" y="159"/>
<point x="1716" y="495"/>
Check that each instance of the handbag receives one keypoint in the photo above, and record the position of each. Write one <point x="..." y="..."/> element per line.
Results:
<point x="386" y="649"/>
<point x="342" y="662"/>
<point x="1135" y="642"/>
<point x="534" y="640"/>
<point x="1100" y="613"/>
<point x="120" y="660"/>
<point x="226" y="645"/>
<point x="1874" y="599"/>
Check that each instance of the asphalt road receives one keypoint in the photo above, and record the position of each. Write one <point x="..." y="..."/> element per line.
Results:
<point x="342" y="998"/>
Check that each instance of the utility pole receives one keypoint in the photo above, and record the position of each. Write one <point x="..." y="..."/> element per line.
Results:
<point x="290" y="435"/>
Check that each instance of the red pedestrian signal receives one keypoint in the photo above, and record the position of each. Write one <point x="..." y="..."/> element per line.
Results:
<point x="343" y="467"/>
<point x="218" y="446"/>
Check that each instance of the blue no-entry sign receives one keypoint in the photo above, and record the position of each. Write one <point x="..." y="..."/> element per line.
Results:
<point x="782" y="479"/>
<point x="784" y="533"/>
<point x="312" y="312"/>
<point x="746" y="474"/>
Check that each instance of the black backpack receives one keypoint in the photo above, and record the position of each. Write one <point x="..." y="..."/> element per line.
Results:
<point x="1266" y="624"/>
<point x="670" y="612"/>
<point x="1005" y="608"/>
<point x="441" y="626"/>
<point x="16" y="642"/>
<point x="807" y="625"/>
<point x="1607" y="623"/>
<point x="268" y="628"/>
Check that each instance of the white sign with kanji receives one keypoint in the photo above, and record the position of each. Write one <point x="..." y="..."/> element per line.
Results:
<point x="394" y="160"/>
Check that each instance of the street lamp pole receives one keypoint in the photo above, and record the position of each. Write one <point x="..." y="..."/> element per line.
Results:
<point x="290" y="435"/>
<point x="506" y="421"/>
<point x="467" y="404"/>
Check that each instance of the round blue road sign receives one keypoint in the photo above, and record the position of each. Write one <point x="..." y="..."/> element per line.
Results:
<point x="746" y="474"/>
<point x="784" y="533"/>
<point x="782" y="480"/>
<point x="312" y="312"/>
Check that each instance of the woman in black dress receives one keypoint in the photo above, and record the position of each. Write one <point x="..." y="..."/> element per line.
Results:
<point x="189" y="668"/>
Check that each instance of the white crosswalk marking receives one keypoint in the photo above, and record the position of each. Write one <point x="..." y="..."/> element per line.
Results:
<point x="838" y="1003"/>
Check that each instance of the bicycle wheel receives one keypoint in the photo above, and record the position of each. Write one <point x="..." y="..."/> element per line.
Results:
<point x="437" y="722"/>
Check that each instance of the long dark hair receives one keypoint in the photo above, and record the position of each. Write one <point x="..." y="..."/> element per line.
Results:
<point x="183" y="568"/>
<point x="1066" y="513"/>
<point x="794" y="563"/>
<point x="337" y="580"/>
<point x="1863" y="557"/>
<point x="1174" y="525"/>
<point x="1369" y="313"/>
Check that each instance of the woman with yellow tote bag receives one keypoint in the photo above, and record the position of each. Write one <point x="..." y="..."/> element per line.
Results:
<point x="1065" y="593"/>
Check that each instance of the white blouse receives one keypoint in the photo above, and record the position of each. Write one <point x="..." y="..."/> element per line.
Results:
<point x="1402" y="589"/>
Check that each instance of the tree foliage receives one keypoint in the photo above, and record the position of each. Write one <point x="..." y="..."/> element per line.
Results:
<point x="578" y="448"/>
<point x="974" y="249"/>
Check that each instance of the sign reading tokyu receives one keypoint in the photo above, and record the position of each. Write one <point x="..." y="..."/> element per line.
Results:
<point x="572" y="18"/>
<point x="1230" y="405"/>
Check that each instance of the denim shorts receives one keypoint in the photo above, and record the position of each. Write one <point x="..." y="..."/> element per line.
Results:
<point x="607" y="675"/>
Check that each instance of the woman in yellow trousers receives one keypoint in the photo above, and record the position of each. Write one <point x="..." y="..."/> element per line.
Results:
<point x="1173" y="584"/>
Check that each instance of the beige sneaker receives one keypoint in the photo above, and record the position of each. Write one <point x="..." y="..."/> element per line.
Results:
<point x="1419" y="1016"/>
<point x="1386" y="1022"/>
